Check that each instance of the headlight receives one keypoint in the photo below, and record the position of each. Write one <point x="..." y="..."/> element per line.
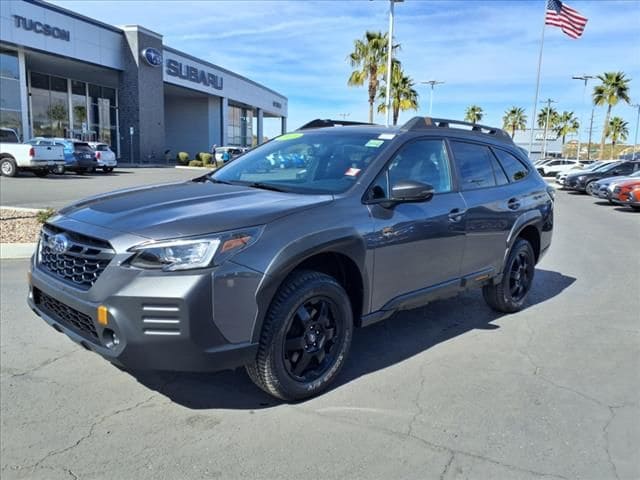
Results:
<point x="187" y="254"/>
<point x="582" y="178"/>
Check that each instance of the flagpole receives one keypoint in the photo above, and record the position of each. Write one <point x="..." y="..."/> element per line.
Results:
<point x="535" y="101"/>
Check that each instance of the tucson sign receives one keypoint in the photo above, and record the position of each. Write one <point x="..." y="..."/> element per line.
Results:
<point x="42" y="28"/>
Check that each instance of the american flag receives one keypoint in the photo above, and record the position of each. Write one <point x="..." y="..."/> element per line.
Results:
<point x="561" y="15"/>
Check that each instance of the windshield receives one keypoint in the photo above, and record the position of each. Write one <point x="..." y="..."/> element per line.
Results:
<point x="306" y="162"/>
<point x="608" y="166"/>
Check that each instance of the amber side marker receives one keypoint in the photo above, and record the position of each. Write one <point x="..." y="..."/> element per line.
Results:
<point x="103" y="315"/>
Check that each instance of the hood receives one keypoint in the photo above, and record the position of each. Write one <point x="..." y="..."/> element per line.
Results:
<point x="609" y="180"/>
<point x="187" y="209"/>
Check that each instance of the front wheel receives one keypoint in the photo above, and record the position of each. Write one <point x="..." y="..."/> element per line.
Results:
<point x="305" y="338"/>
<point x="509" y="295"/>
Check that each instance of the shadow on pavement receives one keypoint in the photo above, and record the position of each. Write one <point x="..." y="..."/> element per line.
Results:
<point x="374" y="348"/>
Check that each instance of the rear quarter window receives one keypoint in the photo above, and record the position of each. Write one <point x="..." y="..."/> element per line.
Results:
<point x="514" y="168"/>
<point x="474" y="162"/>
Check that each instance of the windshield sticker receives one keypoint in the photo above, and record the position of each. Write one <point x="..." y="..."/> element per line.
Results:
<point x="374" y="143"/>
<point x="288" y="136"/>
<point x="387" y="136"/>
<point x="352" y="172"/>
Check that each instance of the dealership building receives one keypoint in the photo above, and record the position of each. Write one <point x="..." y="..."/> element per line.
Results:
<point x="66" y="75"/>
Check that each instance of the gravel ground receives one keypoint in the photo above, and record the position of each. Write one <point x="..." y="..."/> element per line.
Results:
<point x="18" y="226"/>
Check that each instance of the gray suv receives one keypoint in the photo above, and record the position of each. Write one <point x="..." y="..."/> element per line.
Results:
<point x="271" y="265"/>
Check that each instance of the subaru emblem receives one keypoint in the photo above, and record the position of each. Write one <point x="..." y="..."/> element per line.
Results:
<point x="152" y="56"/>
<point x="59" y="243"/>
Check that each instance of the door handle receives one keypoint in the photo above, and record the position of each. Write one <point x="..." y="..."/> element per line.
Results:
<point x="456" y="214"/>
<point x="513" y="204"/>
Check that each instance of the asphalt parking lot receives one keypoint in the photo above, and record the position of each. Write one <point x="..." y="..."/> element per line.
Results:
<point x="451" y="391"/>
<point x="56" y="191"/>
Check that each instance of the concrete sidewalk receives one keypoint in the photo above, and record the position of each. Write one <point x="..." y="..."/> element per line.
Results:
<point x="16" y="250"/>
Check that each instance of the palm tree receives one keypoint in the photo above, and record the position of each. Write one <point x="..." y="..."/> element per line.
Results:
<point x="473" y="114"/>
<point x="403" y="95"/>
<point x="369" y="57"/>
<point x="614" y="87"/>
<point x="514" y="119"/>
<point x="566" y="123"/>
<point x="542" y="117"/>
<point x="618" y="129"/>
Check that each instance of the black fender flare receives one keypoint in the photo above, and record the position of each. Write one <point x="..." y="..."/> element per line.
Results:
<point x="344" y="241"/>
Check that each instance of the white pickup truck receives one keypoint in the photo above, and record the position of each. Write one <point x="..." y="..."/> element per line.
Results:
<point x="16" y="156"/>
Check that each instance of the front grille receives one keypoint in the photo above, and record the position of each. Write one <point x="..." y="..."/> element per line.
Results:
<point x="70" y="317"/>
<point x="82" y="261"/>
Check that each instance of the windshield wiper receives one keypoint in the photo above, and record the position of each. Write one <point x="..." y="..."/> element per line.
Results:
<point x="265" y="186"/>
<point x="215" y="180"/>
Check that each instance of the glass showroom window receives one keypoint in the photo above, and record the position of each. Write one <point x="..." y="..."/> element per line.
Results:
<point x="49" y="105"/>
<point x="10" y="108"/>
<point x="102" y="115"/>
<point x="240" y="126"/>
<point x="79" y="109"/>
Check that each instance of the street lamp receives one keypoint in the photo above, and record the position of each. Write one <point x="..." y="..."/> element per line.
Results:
<point x="585" y="78"/>
<point x="635" y="141"/>
<point x="390" y="58"/>
<point x="548" y="101"/>
<point x="433" y="83"/>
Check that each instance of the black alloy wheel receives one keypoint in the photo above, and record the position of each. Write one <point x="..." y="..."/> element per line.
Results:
<point x="520" y="275"/>
<point x="310" y="343"/>
<point x="305" y="337"/>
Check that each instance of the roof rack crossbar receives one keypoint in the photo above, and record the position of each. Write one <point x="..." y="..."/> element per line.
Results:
<point x="320" y="123"/>
<point x="423" y="123"/>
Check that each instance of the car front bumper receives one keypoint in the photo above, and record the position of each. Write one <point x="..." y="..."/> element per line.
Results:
<point x="161" y="322"/>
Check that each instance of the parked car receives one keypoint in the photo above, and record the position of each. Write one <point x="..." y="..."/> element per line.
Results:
<point x="632" y="198"/>
<point x="105" y="157"/>
<point x="233" y="153"/>
<point x="561" y="177"/>
<point x="16" y="157"/>
<point x="78" y="155"/>
<point x="604" y="188"/>
<point x="559" y="165"/>
<point x="621" y="190"/>
<point x="580" y="181"/>
<point x="274" y="270"/>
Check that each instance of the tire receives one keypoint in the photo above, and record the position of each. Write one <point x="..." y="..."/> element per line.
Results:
<point x="8" y="167"/>
<point x="305" y="338"/>
<point x="510" y="294"/>
<point x="107" y="169"/>
<point x="41" y="173"/>
<point x="91" y="170"/>
<point x="59" y="170"/>
<point x="588" y="186"/>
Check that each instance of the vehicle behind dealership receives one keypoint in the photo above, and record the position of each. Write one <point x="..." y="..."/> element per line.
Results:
<point x="16" y="156"/>
<point x="78" y="155"/>
<point x="272" y="269"/>
<point x="105" y="157"/>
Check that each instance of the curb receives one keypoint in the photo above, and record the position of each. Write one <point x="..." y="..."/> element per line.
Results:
<point x="23" y="209"/>
<point x="193" y="168"/>
<point x="16" y="250"/>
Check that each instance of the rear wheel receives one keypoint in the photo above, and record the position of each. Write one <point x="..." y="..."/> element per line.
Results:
<point x="107" y="169"/>
<point x="509" y="295"/>
<point x="59" y="170"/>
<point x="305" y="338"/>
<point x="8" y="167"/>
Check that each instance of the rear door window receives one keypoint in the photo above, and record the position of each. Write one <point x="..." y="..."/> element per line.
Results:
<point x="474" y="164"/>
<point x="514" y="168"/>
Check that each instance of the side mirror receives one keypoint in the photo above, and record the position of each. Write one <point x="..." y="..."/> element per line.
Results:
<point x="411" y="191"/>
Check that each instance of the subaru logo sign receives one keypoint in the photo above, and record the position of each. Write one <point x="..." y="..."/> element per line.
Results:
<point x="152" y="56"/>
<point x="59" y="243"/>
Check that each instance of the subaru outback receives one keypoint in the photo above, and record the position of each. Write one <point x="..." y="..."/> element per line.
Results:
<point x="274" y="267"/>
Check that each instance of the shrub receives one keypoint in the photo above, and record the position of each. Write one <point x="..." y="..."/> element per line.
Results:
<point x="206" y="158"/>
<point x="182" y="158"/>
<point x="195" y="163"/>
<point x="44" y="215"/>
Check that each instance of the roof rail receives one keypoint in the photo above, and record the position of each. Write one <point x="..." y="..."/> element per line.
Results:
<point x="424" y="123"/>
<point x="319" y="123"/>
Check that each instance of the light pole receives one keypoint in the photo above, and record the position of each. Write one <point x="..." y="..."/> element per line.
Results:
<point x="585" y="78"/>
<point x="548" y="101"/>
<point x="390" y="58"/>
<point x="635" y="140"/>
<point x="433" y="83"/>
<point x="590" y="132"/>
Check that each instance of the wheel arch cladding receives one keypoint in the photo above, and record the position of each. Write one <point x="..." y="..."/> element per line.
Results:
<point x="343" y="259"/>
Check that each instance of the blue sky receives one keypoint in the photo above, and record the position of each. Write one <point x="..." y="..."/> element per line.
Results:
<point x="485" y="51"/>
